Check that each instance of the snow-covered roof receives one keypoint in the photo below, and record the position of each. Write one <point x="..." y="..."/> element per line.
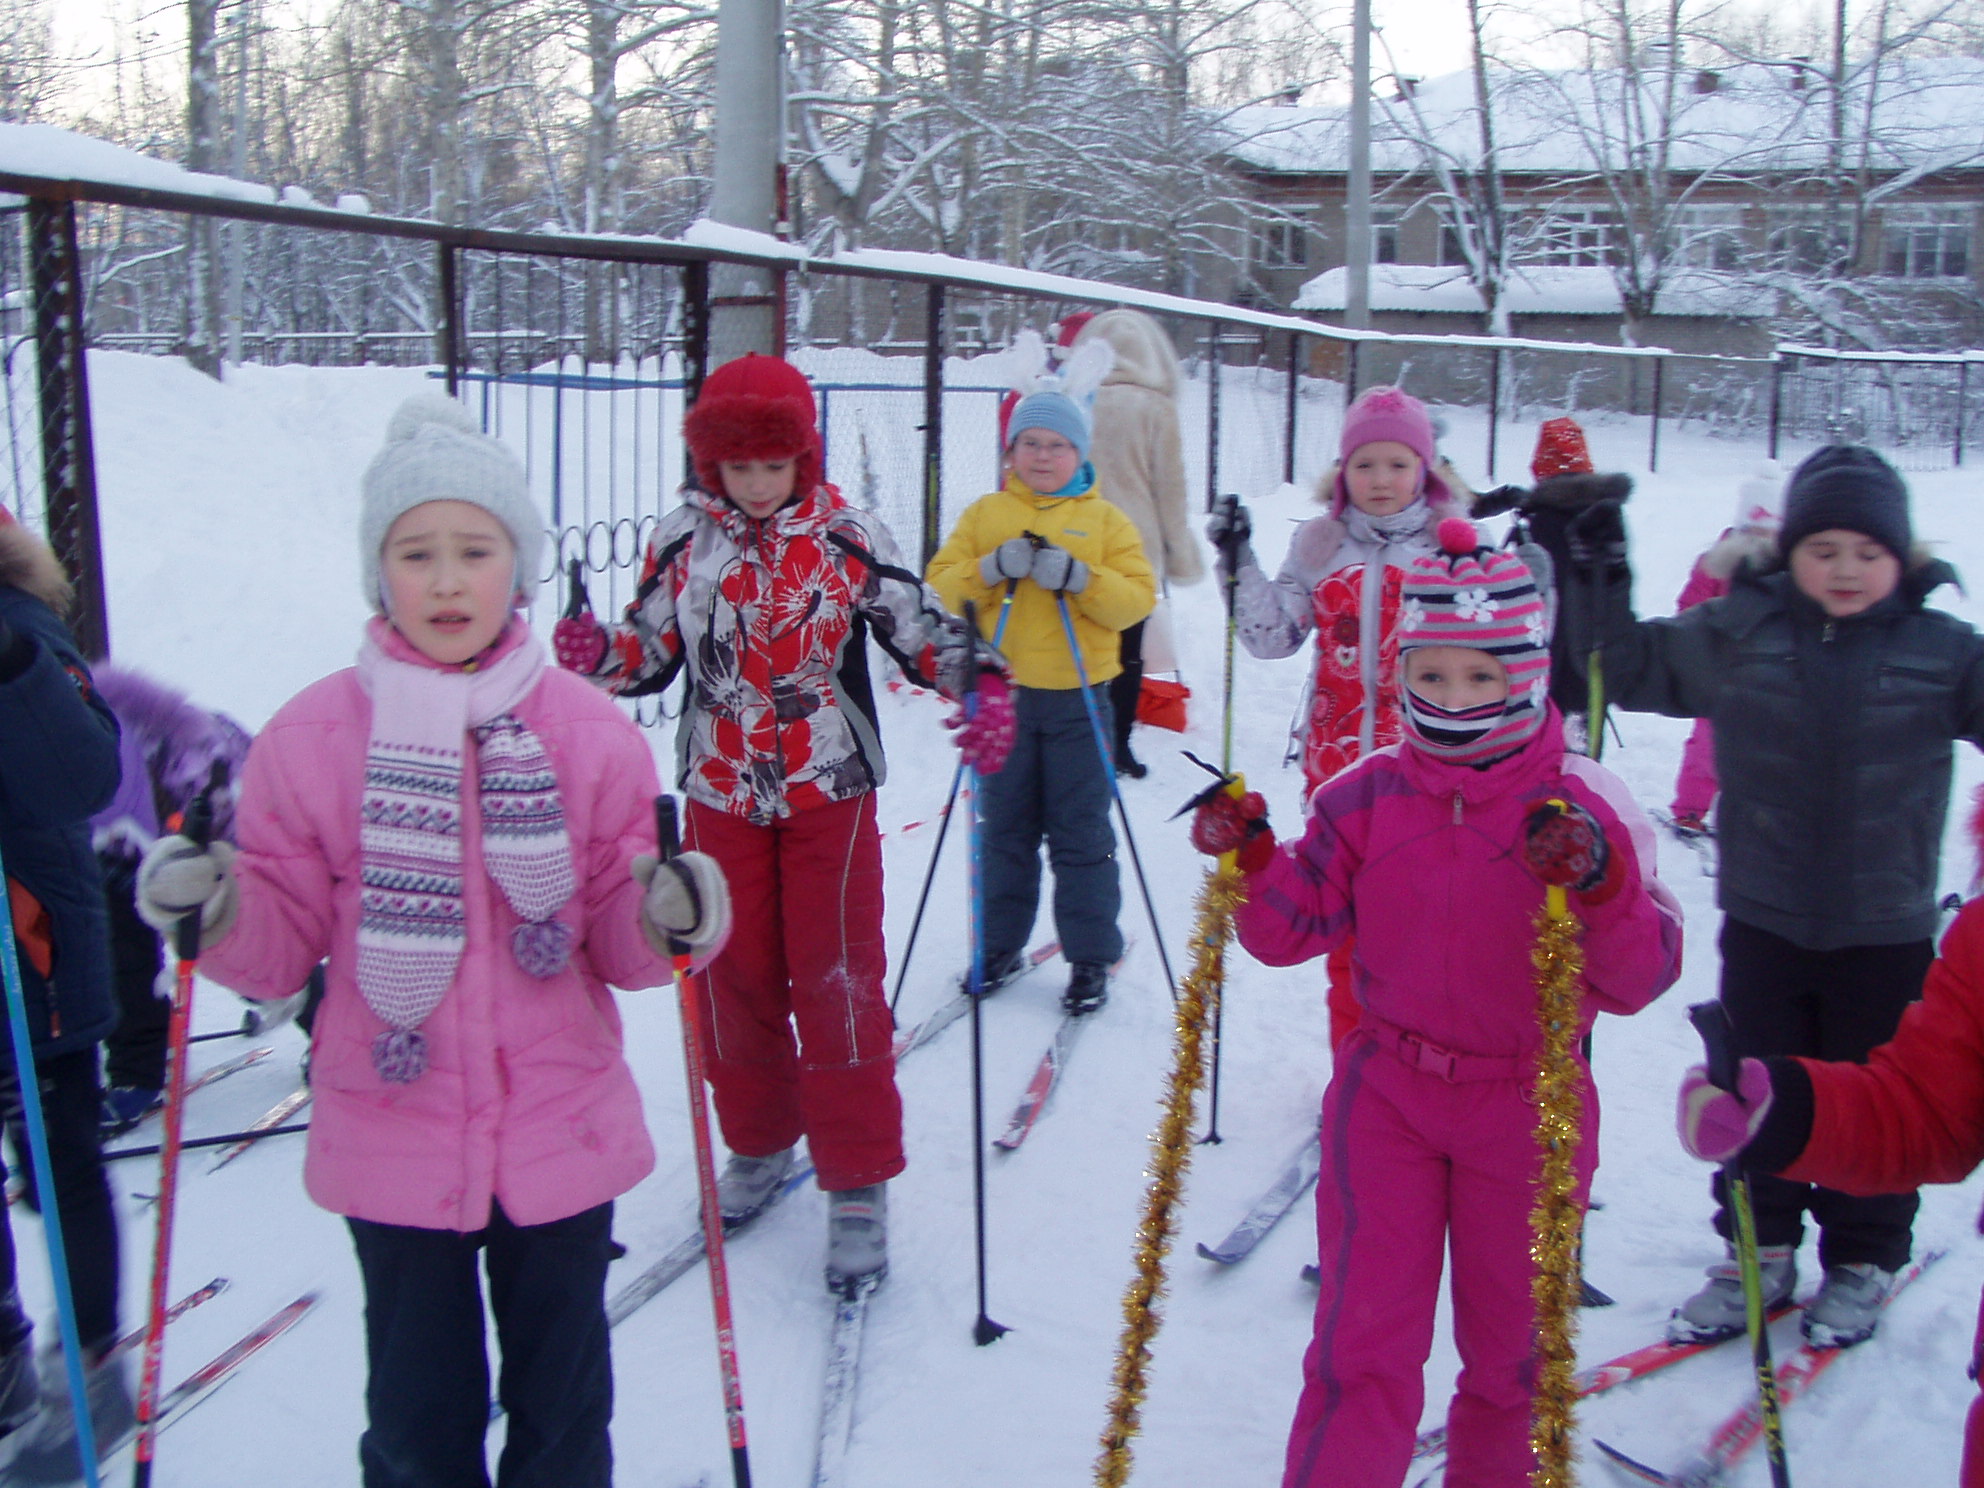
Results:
<point x="1533" y="289"/>
<point x="1562" y="123"/>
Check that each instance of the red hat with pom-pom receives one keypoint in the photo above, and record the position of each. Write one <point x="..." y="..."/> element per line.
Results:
<point x="1485" y="600"/>
<point x="1560" y="450"/>
<point x="755" y="408"/>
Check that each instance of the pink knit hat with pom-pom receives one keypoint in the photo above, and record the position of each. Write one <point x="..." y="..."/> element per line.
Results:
<point x="1388" y="413"/>
<point x="1485" y="600"/>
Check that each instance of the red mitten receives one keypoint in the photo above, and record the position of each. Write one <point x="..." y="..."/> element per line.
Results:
<point x="1238" y="825"/>
<point x="985" y="737"/>
<point x="1565" y="845"/>
<point x="579" y="642"/>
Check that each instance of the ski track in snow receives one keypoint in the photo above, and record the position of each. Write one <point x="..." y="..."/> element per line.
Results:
<point x="228" y="527"/>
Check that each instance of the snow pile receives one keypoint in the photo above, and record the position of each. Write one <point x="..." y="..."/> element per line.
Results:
<point x="1534" y="289"/>
<point x="229" y="528"/>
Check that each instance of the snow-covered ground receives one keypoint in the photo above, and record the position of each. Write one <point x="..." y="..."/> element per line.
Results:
<point x="228" y="527"/>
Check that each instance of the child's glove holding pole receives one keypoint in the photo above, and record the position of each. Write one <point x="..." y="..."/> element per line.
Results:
<point x="985" y="723"/>
<point x="182" y="874"/>
<point x="578" y="639"/>
<point x="1565" y="846"/>
<point x="1717" y="1125"/>
<point x="1230" y="530"/>
<point x="687" y="902"/>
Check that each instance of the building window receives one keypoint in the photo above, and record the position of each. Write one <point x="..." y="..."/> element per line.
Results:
<point x="1384" y="234"/>
<point x="1708" y="238"/>
<point x="1803" y="241"/>
<point x="1571" y="235"/>
<point x="1452" y="254"/>
<point x="1926" y="243"/>
<point x="1281" y="245"/>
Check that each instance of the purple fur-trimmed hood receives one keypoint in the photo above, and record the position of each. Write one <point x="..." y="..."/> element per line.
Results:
<point x="168" y="750"/>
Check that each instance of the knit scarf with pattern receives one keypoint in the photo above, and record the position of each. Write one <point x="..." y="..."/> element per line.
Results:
<point x="411" y="929"/>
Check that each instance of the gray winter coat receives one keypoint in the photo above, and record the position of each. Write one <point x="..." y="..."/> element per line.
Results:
<point x="1832" y="744"/>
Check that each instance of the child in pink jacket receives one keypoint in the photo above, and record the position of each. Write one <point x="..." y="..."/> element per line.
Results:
<point x="1435" y="852"/>
<point x="467" y="835"/>
<point x="1752" y="541"/>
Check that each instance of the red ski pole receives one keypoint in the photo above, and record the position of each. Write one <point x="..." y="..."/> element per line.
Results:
<point x="668" y="835"/>
<point x="197" y="827"/>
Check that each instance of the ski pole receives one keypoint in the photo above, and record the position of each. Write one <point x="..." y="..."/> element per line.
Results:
<point x="983" y="1330"/>
<point x="197" y="827"/>
<point x="1711" y="1020"/>
<point x="1216" y="994"/>
<point x="44" y="1184"/>
<point x="1109" y="774"/>
<point x="944" y="818"/>
<point x="668" y="837"/>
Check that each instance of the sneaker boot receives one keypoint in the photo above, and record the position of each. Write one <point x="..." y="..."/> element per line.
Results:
<point x="124" y="1106"/>
<point x="1088" y="987"/>
<point x="20" y="1387"/>
<point x="1717" y="1310"/>
<point x="1001" y="970"/>
<point x="48" y="1447"/>
<point x="1847" y="1308"/>
<point x="747" y="1184"/>
<point x="1128" y="764"/>
<point x="857" y="1239"/>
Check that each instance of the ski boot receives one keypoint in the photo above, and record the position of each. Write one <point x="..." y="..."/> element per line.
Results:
<point x="1717" y="1311"/>
<point x="857" y="1239"/>
<point x="1088" y="987"/>
<point x="48" y="1447"/>
<point x="747" y="1184"/>
<point x="1847" y="1308"/>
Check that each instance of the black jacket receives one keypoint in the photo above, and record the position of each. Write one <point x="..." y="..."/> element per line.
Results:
<point x="1832" y="744"/>
<point x="58" y="765"/>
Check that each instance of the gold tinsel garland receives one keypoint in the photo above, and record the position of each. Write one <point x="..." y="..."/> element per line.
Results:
<point x="1171" y="1154"/>
<point x="1556" y="1223"/>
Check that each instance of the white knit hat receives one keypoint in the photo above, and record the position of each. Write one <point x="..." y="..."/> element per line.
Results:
<point x="435" y="452"/>
<point x="1760" y="497"/>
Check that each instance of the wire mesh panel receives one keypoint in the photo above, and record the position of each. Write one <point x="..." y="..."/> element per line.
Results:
<point x="20" y="463"/>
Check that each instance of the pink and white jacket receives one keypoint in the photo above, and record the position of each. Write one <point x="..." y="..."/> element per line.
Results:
<point x="1423" y="861"/>
<point x="527" y="1097"/>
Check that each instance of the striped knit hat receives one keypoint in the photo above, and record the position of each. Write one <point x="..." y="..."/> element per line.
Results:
<point x="1468" y="595"/>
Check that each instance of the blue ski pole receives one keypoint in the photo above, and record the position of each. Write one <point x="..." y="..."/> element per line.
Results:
<point x="44" y="1184"/>
<point x="1109" y="774"/>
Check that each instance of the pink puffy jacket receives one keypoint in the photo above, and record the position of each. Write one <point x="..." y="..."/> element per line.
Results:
<point x="527" y="1097"/>
<point x="1423" y="860"/>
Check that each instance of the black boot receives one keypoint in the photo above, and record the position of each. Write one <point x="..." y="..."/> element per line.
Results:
<point x="1124" y="689"/>
<point x="1088" y="987"/>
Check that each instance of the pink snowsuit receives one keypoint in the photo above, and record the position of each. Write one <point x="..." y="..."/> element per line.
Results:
<point x="1428" y="1133"/>
<point x="527" y="1098"/>
<point x="1694" y="785"/>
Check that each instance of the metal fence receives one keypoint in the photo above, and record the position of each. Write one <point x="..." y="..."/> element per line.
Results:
<point x="582" y="352"/>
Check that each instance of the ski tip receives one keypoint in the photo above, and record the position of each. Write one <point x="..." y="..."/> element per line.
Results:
<point x="1628" y="1467"/>
<point x="1212" y="1255"/>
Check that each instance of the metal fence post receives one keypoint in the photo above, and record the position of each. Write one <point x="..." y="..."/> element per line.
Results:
<point x="1350" y="374"/>
<point x="451" y="316"/>
<point x="1653" y="434"/>
<point x="1494" y="406"/>
<point x="1962" y="396"/>
<point x="68" y="453"/>
<point x="1776" y="399"/>
<point x="1212" y="413"/>
<point x="695" y="330"/>
<point x="933" y="421"/>
<point x="1293" y="405"/>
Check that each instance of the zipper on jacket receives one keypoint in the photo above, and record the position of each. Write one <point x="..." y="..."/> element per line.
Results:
<point x="1827" y="632"/>
<point x="1457" y="799"/>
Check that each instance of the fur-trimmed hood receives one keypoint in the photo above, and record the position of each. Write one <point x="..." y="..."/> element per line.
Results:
<point x="1737" y="548"/>
<point x="1586" y="488"/>
<point x="29" y="564"/>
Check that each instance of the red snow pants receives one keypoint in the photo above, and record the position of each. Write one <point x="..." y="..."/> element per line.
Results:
<point x="1415" y="1164"/>
<point x="806" y="954"/>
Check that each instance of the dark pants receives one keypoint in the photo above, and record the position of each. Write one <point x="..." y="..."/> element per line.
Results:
<point x="134" y="1051"/>
<point x="72" y="1107"/>
<point x="1125" y="688"/>
<point x="1840" y="1004"/>
<point x="427" y="1396"/>
<point x="1054" y="785"/>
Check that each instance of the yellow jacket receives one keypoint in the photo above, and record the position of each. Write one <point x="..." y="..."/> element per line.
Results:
<point x="1120" y="589"/>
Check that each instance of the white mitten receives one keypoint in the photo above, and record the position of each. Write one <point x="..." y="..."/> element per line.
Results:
<point x="687" y="901"/>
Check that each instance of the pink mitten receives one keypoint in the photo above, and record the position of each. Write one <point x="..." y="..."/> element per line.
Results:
<point x="579" y="642"/>
<point x="986" y="737"/>
<point x="1716" y="1124"/>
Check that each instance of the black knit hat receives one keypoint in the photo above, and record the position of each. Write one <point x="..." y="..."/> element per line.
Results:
<point x="1846" y="486"/>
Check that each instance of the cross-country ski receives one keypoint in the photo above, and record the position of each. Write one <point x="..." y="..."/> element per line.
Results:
<point x="1276" y="1200"/>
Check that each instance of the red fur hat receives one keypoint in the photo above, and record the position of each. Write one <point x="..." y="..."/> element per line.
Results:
<point x="755" y="408"/>
<point x="1560" y="450"/>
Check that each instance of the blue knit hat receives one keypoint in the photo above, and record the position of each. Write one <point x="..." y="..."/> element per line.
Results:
<point x="1055" y="412"/>
<point x="1846" y="486"/>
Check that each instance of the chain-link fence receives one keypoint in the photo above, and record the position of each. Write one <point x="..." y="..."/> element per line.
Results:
<point x="581" y="353"/>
